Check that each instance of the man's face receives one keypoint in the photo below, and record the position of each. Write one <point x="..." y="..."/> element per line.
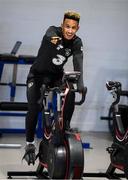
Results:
<point x="69" y="28"/>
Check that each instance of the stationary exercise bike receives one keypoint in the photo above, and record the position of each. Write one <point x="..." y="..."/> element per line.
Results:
<point x="60" y="151"/>
<point x="123" y="110"/>
<point x="119" y="148"/>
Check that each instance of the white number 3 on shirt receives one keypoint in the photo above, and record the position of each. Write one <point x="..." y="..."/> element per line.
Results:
<point x="59" y="60"/>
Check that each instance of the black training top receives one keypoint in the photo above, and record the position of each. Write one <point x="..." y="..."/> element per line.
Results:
<point x="52" y="57"/>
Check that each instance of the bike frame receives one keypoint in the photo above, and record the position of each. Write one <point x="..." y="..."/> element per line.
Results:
<point x="54" y="101"/>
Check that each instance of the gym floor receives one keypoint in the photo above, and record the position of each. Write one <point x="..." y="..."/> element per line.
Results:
<point x="96" y="157"/>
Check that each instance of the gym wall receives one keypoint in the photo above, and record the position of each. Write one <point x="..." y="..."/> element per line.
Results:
<point x="104" y="31"/>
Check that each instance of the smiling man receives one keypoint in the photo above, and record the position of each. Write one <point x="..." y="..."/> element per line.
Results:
<point x="58" y="44"/>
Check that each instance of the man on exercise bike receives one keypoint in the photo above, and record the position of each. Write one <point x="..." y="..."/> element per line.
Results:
<point x="58" y="44"/>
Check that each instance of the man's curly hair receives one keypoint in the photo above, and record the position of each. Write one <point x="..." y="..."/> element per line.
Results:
<point x="72" y="15"/>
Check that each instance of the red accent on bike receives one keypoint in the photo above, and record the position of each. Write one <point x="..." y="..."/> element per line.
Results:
<point x="46" y="134"/>
<point x="62" y="111"/>
<point x="77" y="136"/>
<point x="67" y="160"/>
<point x="44" y="165"/>
<point x="118" y="166"/>
<point x="77" y="172"/>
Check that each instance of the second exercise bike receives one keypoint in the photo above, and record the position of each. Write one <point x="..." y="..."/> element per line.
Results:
<point x="119" y="148"/>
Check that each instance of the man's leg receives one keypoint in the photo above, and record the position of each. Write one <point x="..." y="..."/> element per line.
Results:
<point x="33" y="94"/>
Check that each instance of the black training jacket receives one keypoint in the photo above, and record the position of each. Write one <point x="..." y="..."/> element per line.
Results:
<point x="52" y="57"/>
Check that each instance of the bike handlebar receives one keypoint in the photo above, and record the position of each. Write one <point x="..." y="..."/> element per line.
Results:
<point x="72" y="77"/>
<point x="124" y="93"/>
<point x="58" y="89"/>
<point x="116" y="89"/>
<point x="113" y="85"/>
<point x="116" y="86"/>
<point x="83" y="96"/>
